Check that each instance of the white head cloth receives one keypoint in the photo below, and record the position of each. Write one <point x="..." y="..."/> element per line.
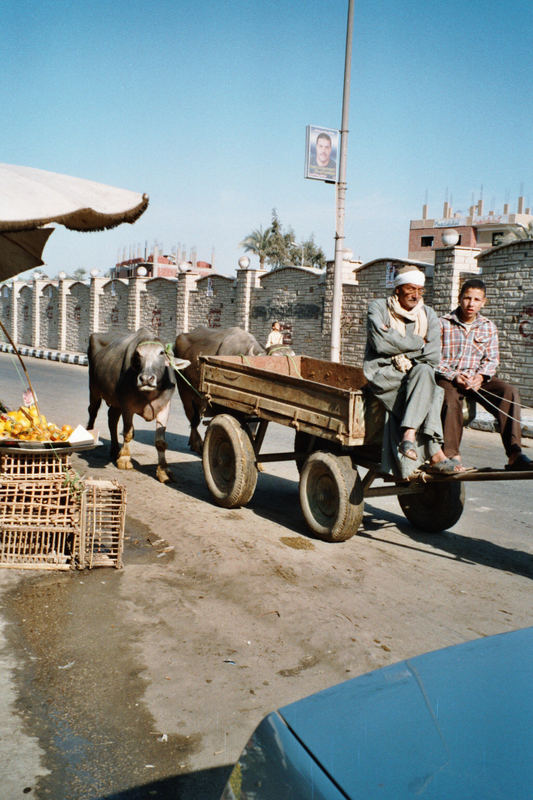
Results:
<point x="409" y="274"/>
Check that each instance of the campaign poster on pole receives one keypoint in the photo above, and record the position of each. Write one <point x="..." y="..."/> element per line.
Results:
<point x="321" y="153"/>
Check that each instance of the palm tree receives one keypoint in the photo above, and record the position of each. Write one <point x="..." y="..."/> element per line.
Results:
<point x="258" y="242"/>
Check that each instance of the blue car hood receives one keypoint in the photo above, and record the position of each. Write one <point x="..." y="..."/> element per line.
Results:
<point x="456" y="723"/>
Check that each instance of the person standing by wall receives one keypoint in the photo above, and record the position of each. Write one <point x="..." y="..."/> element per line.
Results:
<point x="275" y="337"/>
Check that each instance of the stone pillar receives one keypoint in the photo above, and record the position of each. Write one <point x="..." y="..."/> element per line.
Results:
<point x="451" y="265"/>
<point x="94" y="302"/>
<point x="14" y="310"/>
<point x="328" y="304"/>
<point x="62" y="321"/>
<point x="36" y="321"/>
<point x="247" y="279"/>
<point x="186" y="284"/>
<point x="136" y="285"/>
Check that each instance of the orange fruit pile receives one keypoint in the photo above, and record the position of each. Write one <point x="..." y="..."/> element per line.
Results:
<point x="27" y="425"/>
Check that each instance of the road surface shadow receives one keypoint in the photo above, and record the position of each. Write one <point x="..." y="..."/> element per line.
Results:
<point x="206" y="784"/>
<point x="463" y="548"/>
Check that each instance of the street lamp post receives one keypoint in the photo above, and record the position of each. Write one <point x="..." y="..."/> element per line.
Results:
<point x="336" y="305"/>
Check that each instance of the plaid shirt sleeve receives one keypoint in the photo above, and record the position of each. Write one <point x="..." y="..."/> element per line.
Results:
<point x="468" y="352"/>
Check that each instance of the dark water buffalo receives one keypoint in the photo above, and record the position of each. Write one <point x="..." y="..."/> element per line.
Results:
<point x="210" y="342"/>
<point x="133" y="375"/>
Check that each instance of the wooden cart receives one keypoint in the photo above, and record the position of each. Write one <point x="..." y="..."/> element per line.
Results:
<point x="338" y="427"/>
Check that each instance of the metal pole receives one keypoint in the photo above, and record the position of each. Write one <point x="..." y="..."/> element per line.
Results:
<point x="336" y="305"/>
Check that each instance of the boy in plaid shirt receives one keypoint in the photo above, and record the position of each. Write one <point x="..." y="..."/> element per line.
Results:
<point x="469" y="359"/>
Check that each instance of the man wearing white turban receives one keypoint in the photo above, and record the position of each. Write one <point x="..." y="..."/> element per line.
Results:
<point x="402" y="352"/>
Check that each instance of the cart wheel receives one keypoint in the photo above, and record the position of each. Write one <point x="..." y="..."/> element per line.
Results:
<point x="228" y="460"/>
<point x="305" y="444"/>
<point x="331" y="496"/>
<point x="435" y="509"/>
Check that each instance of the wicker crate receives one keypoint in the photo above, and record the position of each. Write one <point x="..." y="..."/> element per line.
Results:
<point x="38" y="502"/>
<point x="38" y="546"/>
<point x="103" y="514"/>
<point x="29" y="466"/>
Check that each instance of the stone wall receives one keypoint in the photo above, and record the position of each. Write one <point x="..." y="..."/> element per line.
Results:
<point x="77" y="303"/>
<point x="212" y="303"/>
<point x="508" y="274"/>
<point x="158" y="308"/>
<point x="294" y="297"/>
<point x="61" y="314"/>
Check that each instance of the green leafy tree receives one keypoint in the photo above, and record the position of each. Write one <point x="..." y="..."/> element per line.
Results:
<point x="280" y="243"/>
<point x="278" y="247"/>
<point x="307" y="254"/>
<point x="78" y="274"/>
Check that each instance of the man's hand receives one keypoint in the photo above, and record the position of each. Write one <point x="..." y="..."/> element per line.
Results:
<point x="462" y="380"/>
<point x="474" y="382"/>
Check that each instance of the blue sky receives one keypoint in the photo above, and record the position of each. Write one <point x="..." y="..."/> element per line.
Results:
<point x="203" y="104"/>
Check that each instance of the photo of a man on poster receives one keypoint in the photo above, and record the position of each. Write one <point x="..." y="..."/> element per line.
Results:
<point x="321" y="153"/>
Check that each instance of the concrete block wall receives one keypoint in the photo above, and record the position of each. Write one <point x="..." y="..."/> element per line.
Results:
<point x="49" y="317"/>
<point x="113" y="306"/>
<point x="158" y="308"/>
<point x="508" y="274"/>
<point x="24" y="318"/>
<point x="212" y="303"/>
<point x="374" y="280"/>
<point x="295" y="297"/>
<point x="61" y="314"/>
<point x="76" y="323"/>
<point x="453" y="265"/>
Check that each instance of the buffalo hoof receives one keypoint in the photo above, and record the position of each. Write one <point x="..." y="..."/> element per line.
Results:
<point x="165" y="475"/>
<point x="124" y="462"/>
<point x="196" y="443"/>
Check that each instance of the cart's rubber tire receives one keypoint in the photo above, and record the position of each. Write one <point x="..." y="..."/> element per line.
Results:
<point x="305" y="444"/>
<point x="228" y="460"/>
<point x="331" y="496"/>
<point x="436" y="508"/>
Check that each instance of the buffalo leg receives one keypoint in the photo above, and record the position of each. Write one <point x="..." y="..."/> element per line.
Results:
<point x="113" y="416"/>
<point x="94" y="407"/>
<point x="124" y="460"/>
<point x="164" y="473"/>
<point x="195" y="440"/>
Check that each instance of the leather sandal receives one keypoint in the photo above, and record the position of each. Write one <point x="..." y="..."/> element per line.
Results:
<point x="521" y="464"/>
<point x="445" y="467"/>
<point x="407" y="449"/>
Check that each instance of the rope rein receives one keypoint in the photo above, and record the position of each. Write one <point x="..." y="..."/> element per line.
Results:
<point x="493" y="405"/>
<point x="493" y="394"/>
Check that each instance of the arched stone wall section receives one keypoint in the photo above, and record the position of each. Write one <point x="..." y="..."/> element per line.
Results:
<point x="508" y="274"/>
<point x="49" y="317"/>
<point x="5" y="309"/>
<point x="77" y="317"/>
<point x="113" y="307"/>
<point x="213" y="303"/>
<point x="158" y="308"/>
<point x="295" y="297"/>
<point x="25" y="315"/>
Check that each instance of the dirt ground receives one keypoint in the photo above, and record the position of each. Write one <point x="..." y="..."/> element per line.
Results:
<point x="147" y="682"/>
